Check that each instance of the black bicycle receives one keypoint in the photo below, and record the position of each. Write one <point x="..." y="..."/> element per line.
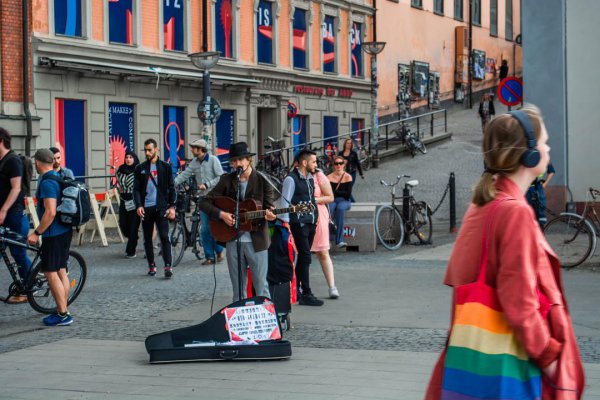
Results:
<point x="181" y="234"/>
<point x="35" y="286"/>
<point x="394" y="223"/>
<point x="411" y="140"/>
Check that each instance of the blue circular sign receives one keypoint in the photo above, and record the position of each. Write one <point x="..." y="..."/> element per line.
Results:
<point x="510" y="91"/>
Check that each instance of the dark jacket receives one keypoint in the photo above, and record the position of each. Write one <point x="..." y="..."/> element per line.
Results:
<point x="258" y="189"/>
<point x="353" y="164"/>
<point x="491" y="108"/>
<point x="166" y="194"/>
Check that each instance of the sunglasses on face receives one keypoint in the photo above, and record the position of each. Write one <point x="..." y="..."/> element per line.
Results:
<point x="338" y="163"/>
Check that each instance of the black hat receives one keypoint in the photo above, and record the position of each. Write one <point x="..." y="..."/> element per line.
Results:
<point x="239" y="150"/>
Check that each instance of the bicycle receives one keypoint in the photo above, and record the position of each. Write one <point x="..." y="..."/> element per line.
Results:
<point x="35" y="285"/>
<point x="572" y="236"/>
<point x="411" y="140"/>
<point x="273" y="163"/>
<point x="180" y="235"/>
<point x="393" y="223"/>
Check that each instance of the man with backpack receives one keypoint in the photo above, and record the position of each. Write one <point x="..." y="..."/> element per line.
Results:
<point x="13" y="184"/>
<point x="54" y="252"/>
<point x="65" y="173"/>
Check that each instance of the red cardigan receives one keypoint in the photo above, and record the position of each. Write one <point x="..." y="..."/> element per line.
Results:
<point x="520" y="260"/>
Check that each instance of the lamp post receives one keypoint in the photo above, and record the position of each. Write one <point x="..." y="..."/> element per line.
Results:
<point x="374" y="48"/>
<point x="208" y="109"/>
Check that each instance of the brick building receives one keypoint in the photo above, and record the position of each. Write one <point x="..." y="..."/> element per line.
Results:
<point x="108" y="74"/>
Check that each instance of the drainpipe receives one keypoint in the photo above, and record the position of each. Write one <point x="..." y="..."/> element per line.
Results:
<point x="204" y="26"/>
<point x="375" y="21"/>
<point x="470" y="54"/>
<point x="29" y="135"/>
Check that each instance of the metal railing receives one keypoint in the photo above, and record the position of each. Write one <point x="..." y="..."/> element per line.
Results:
<point x="385" y="133"/>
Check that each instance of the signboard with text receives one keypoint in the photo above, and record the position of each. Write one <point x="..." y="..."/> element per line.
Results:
<point x="255" y="322"/>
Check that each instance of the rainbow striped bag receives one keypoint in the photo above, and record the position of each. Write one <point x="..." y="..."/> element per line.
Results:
<point x="484" y="359"/>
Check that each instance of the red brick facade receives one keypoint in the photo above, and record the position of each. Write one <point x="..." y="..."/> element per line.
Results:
<point x="11" y="45"/>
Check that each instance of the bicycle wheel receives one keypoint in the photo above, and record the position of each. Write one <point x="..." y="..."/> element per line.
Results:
<point x="421" y="222"/>
<point x="572" y="238"/>
<point x="197" y="248"/>
<point x="389" y="227"/>
<point x="177" y="238"/>
<point x="41" y="299"/>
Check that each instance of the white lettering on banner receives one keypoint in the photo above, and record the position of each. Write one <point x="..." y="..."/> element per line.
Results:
<point x="349" y="231"/>
<point x="176" y="3"/>
<point x="264" y="17"/>
<point x="257" y="323"/>
<point x="327" y="30"/>
<point x="355" y="35"/>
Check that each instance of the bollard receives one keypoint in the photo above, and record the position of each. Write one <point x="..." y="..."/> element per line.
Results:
<point x="452" y="184"/>
<point x="405" y="208"/>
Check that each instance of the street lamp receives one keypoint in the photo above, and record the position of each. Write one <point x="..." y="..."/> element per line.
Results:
<point x="208" y="109"/>
<point x="374" y="48"/>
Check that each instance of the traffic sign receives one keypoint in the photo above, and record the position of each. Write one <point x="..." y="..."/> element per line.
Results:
<point x="209" y="111"/>
<point x="510" y="91"/>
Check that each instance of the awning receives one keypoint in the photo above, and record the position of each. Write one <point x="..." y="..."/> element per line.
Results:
<point x="164" y="73"/>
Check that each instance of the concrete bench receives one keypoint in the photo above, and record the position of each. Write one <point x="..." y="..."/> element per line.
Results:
<point x="359" y="229"/>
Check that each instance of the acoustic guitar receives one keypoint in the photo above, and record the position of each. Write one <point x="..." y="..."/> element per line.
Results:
<point x="250" y="210"/>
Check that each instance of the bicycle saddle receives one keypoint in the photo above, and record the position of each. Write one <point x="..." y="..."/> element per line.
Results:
<point x="413" y="183"/>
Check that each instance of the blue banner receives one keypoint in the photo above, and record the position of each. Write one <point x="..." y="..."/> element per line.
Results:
<point x="67" y="17"/>
<point x="120" y="21"/>
<point x="328" y="34"/>
<point x="121" y="132"/>
<point x="225" y="129"/>
<point x="264" y="25"/>
<point x="224" y="28"/>
<point x="173" y="20"/>
<point x="300" y="38"/>
<point x="299" y="132"/>
<point x="174" y="136"/>
<point x="356" y="49"/>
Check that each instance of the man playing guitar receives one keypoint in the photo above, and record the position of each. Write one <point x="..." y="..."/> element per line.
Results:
<point x="254" y="245"/>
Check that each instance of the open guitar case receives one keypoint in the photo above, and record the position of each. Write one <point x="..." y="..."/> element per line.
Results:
<point x="171" y="346"/>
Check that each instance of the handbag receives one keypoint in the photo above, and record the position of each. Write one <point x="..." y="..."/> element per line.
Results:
<point x="129" y="205"/>
<point x="484" y="359"/>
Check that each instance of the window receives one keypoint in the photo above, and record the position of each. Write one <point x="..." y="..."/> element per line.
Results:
<point x="330" y="131"/>
<point x="416" y="3"/>
<point x="174" y="24"/>
<point x="264" y="25"/>
<point x="509" y="20"/>
<point x="494" y="17"/>
<point x="356" y="53"/>
<point x="224" y="28"/>
<point x="476" y="16"/>
<point x="438" y="7"/>
<point x="458" y="9"/>
<point x="174" y="136"/>
<point x="120" y="21"/>
<point x="328" y="33"/>
<point x="68" y="17"/>
<point x="300" y="39"/>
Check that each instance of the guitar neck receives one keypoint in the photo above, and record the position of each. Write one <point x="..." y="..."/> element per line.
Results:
<point x="261" y="214"/>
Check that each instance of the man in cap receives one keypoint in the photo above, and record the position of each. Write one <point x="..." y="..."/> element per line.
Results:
<point x="255" y="244"/>
<point x="64" y="173"/>
<point x="56" y="238"/>
<point x="207" y="171"/>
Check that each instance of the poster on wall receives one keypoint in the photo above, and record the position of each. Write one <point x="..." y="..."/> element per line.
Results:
<point x="224" y="27"/>
<point x="264" y="23"/>
<point x="356" y="49"/>
<point x="330" y="130"/>
<point x="328" y="34"/>
<point x="120" y="21"/>
<point x="67" y="17"/>
<point x="70" y="124"/>
<point x="173" y="20"/>
<point x="420" y="77"/>
<point x="300" y="37"/>
<point x="174" y="136"/>
<point x="478" y="64"/>
<point x="225" y="129"/>
<point x="299" y="125"/>
<point x="121" y="133"/>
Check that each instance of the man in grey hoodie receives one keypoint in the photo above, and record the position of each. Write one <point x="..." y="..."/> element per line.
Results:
<point x="207" y="171"/>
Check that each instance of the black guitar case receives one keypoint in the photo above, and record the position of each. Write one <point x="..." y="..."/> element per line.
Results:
<point x="171" y="346"/>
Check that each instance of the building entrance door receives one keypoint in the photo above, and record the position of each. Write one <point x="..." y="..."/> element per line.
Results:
<point x="267" y="126"/>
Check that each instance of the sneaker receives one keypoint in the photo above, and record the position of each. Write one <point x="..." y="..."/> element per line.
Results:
<point x="168" y="272"/>
<point x="152" y="270"/>
<point x="58" y="320"/>
<point x="342" y="244"/>
<point x="130" y="255"/>
<point x="333" y="293"/>
<point x="220" y="256"/>
<point x="208" y="261"/>
<point x="310" y="300"/>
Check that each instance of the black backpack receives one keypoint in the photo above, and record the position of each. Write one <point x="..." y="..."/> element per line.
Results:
<point x="74" y="208"/>
<point x="27" y="171"/>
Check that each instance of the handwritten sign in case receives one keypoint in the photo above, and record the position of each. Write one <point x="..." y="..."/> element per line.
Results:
<point x="254" y="322"/>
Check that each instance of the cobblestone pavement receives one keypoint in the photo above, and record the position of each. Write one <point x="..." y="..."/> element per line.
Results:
<point x="120" y="302"/>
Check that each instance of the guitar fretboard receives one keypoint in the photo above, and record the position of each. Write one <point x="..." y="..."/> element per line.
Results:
<point x="261" y="214"/>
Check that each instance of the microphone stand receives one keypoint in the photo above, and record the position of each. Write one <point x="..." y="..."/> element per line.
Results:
<point x="238" y="242"/>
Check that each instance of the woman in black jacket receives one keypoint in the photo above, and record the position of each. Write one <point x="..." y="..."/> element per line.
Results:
<point x="486" y="110"/>
<point x="129" y="221"/>
<point x="352" y="162"/>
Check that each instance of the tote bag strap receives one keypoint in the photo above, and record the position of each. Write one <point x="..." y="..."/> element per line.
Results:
<point x="485" y="239"/>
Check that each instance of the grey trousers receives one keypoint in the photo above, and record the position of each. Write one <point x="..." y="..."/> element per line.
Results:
<point x="258" y="263"/>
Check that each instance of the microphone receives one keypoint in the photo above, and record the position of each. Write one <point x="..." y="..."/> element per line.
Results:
<point x="239" y="171"/>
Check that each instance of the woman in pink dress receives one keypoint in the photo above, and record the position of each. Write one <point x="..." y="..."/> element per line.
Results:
<point x="320" y="246"/>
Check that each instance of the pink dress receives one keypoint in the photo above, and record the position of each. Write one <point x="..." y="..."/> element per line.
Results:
<point x="321" y="240"/>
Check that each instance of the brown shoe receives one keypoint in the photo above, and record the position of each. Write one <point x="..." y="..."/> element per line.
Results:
<point x="208" y="261"/>
<point x="220" y="256"/>
<point x="17" y="300"/>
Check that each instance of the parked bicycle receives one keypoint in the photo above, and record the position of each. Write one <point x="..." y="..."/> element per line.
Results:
<point x="35" y="285"/>
<point x="273" y="162"/>
<point x="572" y="236"/>
<point x="181" y="234"/>
<point x="411" y="140"/>
<point x="395" y="223"/>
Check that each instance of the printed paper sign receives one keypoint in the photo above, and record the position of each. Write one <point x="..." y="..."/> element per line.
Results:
<point x="258" y="322"/>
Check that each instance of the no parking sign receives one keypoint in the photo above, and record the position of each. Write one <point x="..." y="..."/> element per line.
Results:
<point x="510" y="91"/>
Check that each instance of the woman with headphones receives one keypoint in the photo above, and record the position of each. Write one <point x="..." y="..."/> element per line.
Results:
<point x="511" y="335"/>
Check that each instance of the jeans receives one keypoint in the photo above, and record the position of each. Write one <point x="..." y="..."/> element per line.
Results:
<point x="153" y="216"/>
<point x="257" y="261"/>
<point x="540" y="206"/>
<point x="208" y="241"/>
<point x="18" y="223"/>
<point x="338" y="211"/>
<point x="303" y="236"/>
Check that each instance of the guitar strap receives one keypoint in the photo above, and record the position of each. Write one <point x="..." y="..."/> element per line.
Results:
<point x="274" y="187"/>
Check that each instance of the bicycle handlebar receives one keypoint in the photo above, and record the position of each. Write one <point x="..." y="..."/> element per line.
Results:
<point x="398" y="178"/>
